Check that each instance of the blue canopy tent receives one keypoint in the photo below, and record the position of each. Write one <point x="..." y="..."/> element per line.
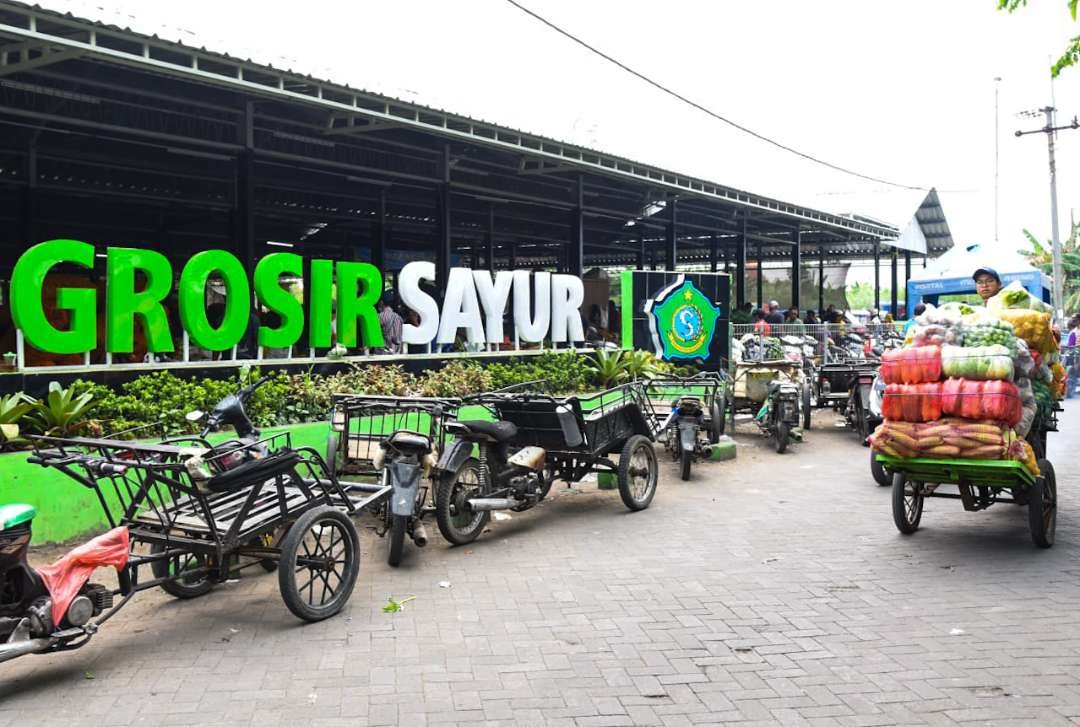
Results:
<point x="951" y="274"/>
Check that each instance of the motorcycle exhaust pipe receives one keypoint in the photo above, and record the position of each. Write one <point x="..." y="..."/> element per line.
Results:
<point x="419" y="534"/>
<point x="492" y="503"/>
<point x="22" y="648"/>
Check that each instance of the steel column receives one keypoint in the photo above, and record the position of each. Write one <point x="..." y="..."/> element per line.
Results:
<point x="513" y="255"/>
<point x="28" y="213"/>
<point x="740" y="264"/>
<point x="821" y="281"/>
<point x="760" y="279"/>
<point x="641" y="250"/>
<point x="575" y="250"/>
<point x="796" y="267"/>
<point x="671" y="259"/>
<point x="907" y="277"/>
<point x="443" y="245"/>
<point x="877" y="274"/>
<point x="490" y="239"/>
<point x="378" y="249"/>
<point x="714" y="250"/>
<point x="892" y="294"/>
<point x="244" y="206"/>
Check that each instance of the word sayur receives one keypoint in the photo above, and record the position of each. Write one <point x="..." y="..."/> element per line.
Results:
<point x="342" y="300"/>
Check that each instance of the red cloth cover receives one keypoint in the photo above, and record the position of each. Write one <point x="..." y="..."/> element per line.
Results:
<point x="66" y="576"/>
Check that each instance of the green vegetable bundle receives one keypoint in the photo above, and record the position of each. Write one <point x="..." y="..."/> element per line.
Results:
<point x="774" y="349"/>
<point x="982" y="363"/>
<point x="990" y="332"/>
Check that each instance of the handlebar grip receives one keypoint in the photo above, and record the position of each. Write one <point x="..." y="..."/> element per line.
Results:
<point x="32" y="459"/>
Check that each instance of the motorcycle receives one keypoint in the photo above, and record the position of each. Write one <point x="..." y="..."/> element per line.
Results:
<point x="231" y="411"/>
<point x="877" y="392"/>
<point x="683" y="433"/>
<point x="403" y="458"/>
<point x="779" y="415"/>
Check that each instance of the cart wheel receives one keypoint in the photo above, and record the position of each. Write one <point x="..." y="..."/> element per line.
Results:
<point x="806" y="410"/>
<point x="320" y="560"/>
<point x="185" y="586"/>
<point x="781" y="433"/>
<point x="686" y="459"/>
<point x="398" y="524"/>
<point x="1042" y="506"/>
<point x="637" y="472"/>
<point x="456" y="522"/>
<point x="907" y="503"/>
<point x="332" y="453"/>
<point x="881" y="475"/>
<point x="716" y="422"/>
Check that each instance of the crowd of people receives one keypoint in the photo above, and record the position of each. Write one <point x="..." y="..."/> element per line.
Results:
<point x="764" y="319"/>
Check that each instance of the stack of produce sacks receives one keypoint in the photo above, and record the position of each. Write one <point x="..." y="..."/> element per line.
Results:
<point x="964" y="385"/>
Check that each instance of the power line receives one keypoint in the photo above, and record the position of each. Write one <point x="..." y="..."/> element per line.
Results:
<point x="705" y="110"/>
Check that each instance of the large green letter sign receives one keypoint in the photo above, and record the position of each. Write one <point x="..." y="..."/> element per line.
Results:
<point x="122" y="303"/>
<point x="270" y="293"/>
<point x="193" y="300"/>
<point x="27" y="281"/>
<point x="353" y="305"/>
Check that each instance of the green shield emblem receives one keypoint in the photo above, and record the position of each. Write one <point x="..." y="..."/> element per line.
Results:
<point x="683" y="321"/>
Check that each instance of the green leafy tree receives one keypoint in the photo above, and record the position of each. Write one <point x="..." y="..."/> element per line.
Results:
<point x="1041" y="256"/>
<point x="1071" y="56"/>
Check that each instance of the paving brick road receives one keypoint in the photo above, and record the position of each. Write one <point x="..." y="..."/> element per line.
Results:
<point x="770" y="590"/>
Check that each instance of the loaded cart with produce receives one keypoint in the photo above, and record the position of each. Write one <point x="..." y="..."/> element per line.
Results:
<point x="967" y="404"/>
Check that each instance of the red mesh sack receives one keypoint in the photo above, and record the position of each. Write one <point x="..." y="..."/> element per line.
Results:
<point x="912" y="402"/>
<point x="995" y="400"/>
<point x="911" y="365"/>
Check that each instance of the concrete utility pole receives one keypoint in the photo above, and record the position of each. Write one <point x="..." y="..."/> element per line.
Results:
<point x="997" y="116"/>
<point x="1050" y="130"/>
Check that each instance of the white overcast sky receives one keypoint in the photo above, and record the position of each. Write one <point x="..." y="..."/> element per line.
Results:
<point x="898" y="90"/>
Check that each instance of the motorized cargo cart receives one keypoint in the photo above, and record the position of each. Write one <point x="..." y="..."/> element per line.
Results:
<point x="690" y="412"/>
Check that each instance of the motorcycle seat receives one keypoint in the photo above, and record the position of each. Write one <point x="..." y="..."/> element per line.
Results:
<point x="406" y="441"/>
<point x="253" y="471"/>
<point x="495" y="431"/>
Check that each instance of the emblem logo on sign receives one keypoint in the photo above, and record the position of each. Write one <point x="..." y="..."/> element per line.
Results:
<point x="682" y="320"/>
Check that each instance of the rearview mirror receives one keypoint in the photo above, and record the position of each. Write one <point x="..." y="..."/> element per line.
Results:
<point x="195" y="416"/>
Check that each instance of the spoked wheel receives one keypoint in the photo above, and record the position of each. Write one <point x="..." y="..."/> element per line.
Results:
<point x="185" y="586"/>
<point x="1042" y="506"/>
<point x="806" y="410"/>
<point x="457" y="522"/>
<point x="637" y="472"/>
<point x="398" y="526"/>
<point x="881" y="475"/>
<point x="320" y="560"/>
<point x="907" y="503"/>
<point x="686" y="460"/>
<point x="716" y="421"/>
<point x="781" y="433"/>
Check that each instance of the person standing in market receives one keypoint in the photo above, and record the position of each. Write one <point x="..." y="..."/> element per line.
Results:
<point x="761" y="325"/>
<point x="987" y="283"/>
<point x="391" y="324"/>
<point x="774" y="317"/>
<point x="791" y="318"/>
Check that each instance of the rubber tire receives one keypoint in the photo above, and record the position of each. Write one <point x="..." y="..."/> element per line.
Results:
<point x="806" y="406"/>
<point x="549" y="480"/>
<point x="625" y="456"/>
<point x="398" y="526"/>
<point x="287" y="566"/>
<point x="880" y="474"/>
<point x="780" y="437"/>
<point x="899" y="506"/>
<point x="1045" y="489"/>
<point x="442" y="509"/>
<point x="716" y="422"/>
<point x="331" y="453"/>
<point x="177" y="589"/>
<point x="686" y="461"/>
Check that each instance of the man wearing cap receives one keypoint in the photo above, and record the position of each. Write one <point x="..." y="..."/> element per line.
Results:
<point x="987" y="283"/>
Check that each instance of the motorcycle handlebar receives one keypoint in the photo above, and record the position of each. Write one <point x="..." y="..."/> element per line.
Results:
<point x="248" y="390"/>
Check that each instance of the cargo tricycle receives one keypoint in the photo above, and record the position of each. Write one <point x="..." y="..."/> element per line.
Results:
<point x="691" y="414"/>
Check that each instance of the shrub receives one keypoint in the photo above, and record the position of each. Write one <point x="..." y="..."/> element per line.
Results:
<point x="608" y="368"/>
<point x="562" y="373"/>
<point x="457" y="378"/>
<point x="61" y="412"/>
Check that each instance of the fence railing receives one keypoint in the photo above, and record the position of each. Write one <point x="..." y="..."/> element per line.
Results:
<point x="829" y="342"/>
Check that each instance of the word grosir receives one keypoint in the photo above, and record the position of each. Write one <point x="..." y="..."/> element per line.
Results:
<point x="342" y="293"/>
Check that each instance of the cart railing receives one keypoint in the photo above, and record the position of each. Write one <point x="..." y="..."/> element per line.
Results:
<point x="364" y="422"/>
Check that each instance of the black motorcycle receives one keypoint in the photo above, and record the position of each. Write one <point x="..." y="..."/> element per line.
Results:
<point x="683" y="433"/>
<point x="779" y="415"/>
<point x="231" y="412"/>
<point x="405" y="457"/>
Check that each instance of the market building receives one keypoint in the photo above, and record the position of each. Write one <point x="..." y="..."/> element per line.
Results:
<point x="120" y="139"/>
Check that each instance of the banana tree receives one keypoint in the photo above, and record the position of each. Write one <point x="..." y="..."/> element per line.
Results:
<point x="1041" y="256"/>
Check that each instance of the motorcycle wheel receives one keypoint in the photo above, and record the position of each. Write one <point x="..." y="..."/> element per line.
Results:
<point x="332" y="453"/>
<point x="781" y="432"/>
<point x="181" y="587"/>
<point x="716" y="423"/>
<point x="398" y="524"/>
<point x="806" y="410"/>
<point x="457" y="525"/>
<point x="686" y="460"/>
<point x="637" y="472"/>
<point x="881" y="475"/>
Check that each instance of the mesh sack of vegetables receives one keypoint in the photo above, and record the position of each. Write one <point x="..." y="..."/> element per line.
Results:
<point x="995" y="400"/>
<point x="949" y="437"/>
<point x="912" y="365"/>
<point x="1033" y="327"/>
<point x="1013" y="296"/>
<point x="1029" y="408"/>
<point x="987" y="331"/>
<point x="980" y="363"/>
<point x="912" y="402"/>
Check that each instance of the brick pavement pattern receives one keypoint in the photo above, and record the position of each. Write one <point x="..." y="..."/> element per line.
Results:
<point x="769" y="590"/>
